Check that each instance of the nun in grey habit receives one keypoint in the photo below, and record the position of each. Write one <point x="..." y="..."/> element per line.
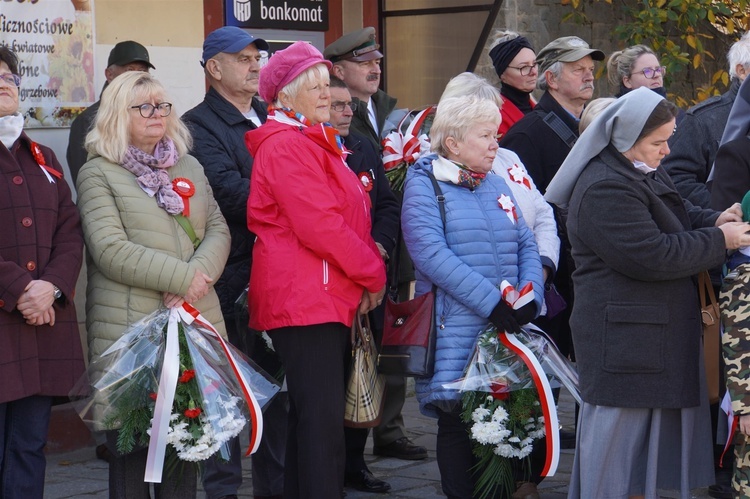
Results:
<point x="638" y="246"/>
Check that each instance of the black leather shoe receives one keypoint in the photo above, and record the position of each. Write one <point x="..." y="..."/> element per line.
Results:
<point x="365" y="481"/>
<point x="403" y="448"/>
<point x="720" y="491"/>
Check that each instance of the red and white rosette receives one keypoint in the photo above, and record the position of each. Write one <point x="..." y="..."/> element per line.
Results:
<point x="366" y="179"/>
<point x="517" y="299"/>
<point x="508" y="206"/>
<point x="36" y="151"/>
<point x="185" y="188"/>
<point x="519" y="176"/>
<point x="168" y="382"/>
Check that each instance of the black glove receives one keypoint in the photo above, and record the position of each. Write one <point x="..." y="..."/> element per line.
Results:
<point x="525" y="314"/>
<point x="502" y="317"/>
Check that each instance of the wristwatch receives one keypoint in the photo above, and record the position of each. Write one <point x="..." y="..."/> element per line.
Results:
<point x="58" y="293"/>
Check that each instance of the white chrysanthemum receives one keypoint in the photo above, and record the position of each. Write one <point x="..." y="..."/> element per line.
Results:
<point x="500" y="415"/>
<point x="480" y="414"/>
<point x="514" y="439"/>
<point x="486" y="433"/>
<point x="504" y="450"/>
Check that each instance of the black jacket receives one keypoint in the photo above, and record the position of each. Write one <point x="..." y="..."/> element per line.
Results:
<point x="385" y="207"/>
<point x="541" y="150"/>
<point x="76" y="154"/>
<point x="361" y="125"/>
<point x="218" y="130"/>
<point x="695" y="143"/>
<point x="731" y="174"/>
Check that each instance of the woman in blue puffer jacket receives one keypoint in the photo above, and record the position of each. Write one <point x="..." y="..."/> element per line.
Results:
<point x="485" y="241"/>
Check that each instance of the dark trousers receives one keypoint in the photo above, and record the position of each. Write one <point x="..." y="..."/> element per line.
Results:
<point x="126" y="473"/>
<point x="314" y="359"/>
<point x="24" y="425"/>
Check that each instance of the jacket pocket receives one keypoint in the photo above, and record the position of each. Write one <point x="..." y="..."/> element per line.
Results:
<point x="634" y="337"/>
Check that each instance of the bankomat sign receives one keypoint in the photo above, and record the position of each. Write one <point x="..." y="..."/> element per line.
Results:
<point x="303" y="15"/>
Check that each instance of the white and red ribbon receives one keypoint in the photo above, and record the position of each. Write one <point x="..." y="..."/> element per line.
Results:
<point x="514" y="297"/>
<point x="732" y="421"/>
<point x="406" y="147"/>
<point x="546" y="399"/>
<point x="168" y="382"/>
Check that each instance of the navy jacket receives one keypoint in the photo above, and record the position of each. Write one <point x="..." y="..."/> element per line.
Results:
<point x="218" y="130"/>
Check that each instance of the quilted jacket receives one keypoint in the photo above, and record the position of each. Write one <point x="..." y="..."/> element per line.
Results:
<point x="135" y="250"/>
<point x="479" y="248"/>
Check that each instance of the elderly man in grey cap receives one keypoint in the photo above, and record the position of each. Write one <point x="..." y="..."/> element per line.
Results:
<point x="356" y="61"/>
<point x="543" y="138"/>
<point x="231" y="62"/>
<point x="125" y="56"/>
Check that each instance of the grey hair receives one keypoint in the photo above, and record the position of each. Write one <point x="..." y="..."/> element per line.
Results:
<point x="471" y="84"/>
<point x="292" y="89"/>
<point x="556" y="70"/>
<point x="621" y="63"/>
<point x="454" y="117"/>
<point x="739" y="53"/>
<point x="501" y="36"/>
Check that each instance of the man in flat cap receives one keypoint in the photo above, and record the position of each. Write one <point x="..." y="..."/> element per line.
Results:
<point x="125" y="56"/>
<point x="231" y="63"/>
<point x="543" y="138"/>
<point x="356" y="61"/>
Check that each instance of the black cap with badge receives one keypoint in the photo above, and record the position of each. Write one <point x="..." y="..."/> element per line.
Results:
<point x="129" y="51"/>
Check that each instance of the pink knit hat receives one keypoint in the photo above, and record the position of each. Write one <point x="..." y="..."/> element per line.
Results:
<point x="285" y="65"/>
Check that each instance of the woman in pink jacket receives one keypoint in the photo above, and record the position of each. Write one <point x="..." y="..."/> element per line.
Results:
<point x="314" y="262"/>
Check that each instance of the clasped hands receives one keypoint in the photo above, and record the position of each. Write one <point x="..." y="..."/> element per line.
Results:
<point x="734" y="229"/>
<point x="199" y="287"/>
<point x="35" y="304"/>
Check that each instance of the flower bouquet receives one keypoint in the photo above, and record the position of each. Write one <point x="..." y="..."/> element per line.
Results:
<point x="404" y="145"/>
<point x="507" y="403"/>
<point x="171" y="379"/>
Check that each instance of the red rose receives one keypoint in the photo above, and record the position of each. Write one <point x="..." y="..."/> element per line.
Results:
<point x="152" y="395"/>
<point x="187" y="375"/>
<point x="192" y="413"/>
<point x="499" y="391"/>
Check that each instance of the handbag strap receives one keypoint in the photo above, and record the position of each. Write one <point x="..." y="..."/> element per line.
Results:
<point x="705" y="288"/>
<point x="441" y="204"/>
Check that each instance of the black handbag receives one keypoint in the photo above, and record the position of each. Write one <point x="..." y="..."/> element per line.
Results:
<point x="409" y="336"/>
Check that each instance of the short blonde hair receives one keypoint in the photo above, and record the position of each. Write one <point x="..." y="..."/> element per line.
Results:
<point x="110" y="136"/>
<point x="454" y="117"/>
<point x="292" y="89"/>
<point x="592" y="110"/>
<point x="471" y="84"/>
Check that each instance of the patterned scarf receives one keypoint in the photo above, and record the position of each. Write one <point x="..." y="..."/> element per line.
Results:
<point x="330" y="134"/>
<point x="446" y="170"/>
<point x="151" y="174"/>
<point x="11" y="127"/>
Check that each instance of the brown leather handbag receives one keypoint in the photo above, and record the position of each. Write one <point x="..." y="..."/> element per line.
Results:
<point x="711" y="319"/>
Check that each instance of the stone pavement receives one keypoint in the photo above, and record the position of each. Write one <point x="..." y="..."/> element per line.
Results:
<point x="78" y="474"/>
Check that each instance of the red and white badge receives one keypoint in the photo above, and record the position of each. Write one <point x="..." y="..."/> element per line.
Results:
<point x="367" y="181"/>
<point x="507" y="205"/>
<point x="519" y="176"/>
<point x="185" y="188"/>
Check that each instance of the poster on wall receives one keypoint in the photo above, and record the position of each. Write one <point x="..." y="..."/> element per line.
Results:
<point x="300" y="15"/>
<point x="54" y="42"/>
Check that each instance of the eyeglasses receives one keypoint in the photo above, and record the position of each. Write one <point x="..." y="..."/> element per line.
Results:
<point x="339" y="106"/>
<point x="147" y="110"/>
<point x="653" y="72"/>
<point x="11" y="79"/>
<point x="525" y="70"/>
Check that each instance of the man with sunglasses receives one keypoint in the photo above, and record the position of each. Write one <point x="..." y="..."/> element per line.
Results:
<point x="231" y="108"/>
<point x="365" y="162"/>
<point x="125" y="56"/>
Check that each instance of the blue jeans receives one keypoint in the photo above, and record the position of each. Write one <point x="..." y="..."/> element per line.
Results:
<point x="24" y="425"/>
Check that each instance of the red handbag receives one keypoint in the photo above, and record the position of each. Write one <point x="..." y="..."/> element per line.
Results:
<point x="408" y="346"/>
